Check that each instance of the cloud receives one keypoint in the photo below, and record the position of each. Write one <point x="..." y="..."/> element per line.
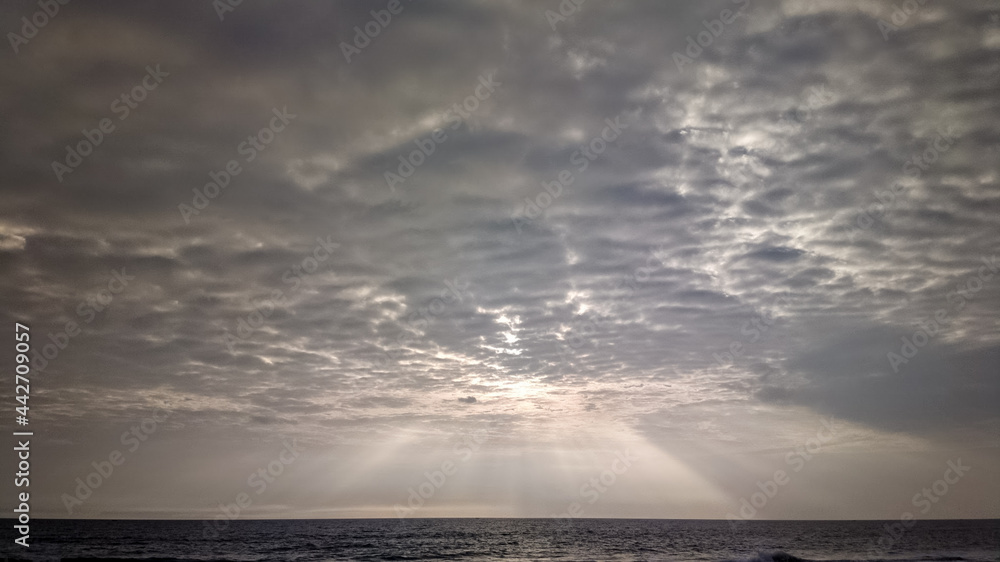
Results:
<point x="738" y="211"/>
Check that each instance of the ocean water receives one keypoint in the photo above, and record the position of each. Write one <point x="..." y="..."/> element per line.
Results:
<point x="507" y="539"/>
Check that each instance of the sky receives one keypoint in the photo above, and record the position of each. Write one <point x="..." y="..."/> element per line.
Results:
<point x="505" y="259"/>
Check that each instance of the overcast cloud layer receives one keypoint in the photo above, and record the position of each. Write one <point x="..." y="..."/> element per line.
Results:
<point x="727" y="214"/>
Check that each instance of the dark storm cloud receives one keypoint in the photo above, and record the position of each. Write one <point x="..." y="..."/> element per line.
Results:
<point x="849" y="376"/>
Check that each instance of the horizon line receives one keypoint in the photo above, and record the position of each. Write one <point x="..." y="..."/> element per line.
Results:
<point x="505" y="518"/>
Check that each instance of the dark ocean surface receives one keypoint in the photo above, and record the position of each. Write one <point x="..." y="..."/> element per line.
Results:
<point x="506" y="539"/>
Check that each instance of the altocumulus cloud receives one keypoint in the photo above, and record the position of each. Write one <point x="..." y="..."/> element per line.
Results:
<point x="730" y="170"/>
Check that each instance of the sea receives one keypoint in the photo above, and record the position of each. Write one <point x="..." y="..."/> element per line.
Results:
<point x="507" y="539"/>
